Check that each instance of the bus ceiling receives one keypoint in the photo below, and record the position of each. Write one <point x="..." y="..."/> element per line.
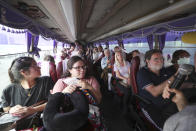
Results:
<point x="91" y="20"/>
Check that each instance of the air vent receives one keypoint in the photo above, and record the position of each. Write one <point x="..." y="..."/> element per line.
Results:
<point x="31" y="10"/>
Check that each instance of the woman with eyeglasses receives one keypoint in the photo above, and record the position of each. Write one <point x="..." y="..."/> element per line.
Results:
<point x="26" y="89"/>
<point x="77" y="77"/>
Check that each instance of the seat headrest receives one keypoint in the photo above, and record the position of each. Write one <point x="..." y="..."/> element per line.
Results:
<point x="136" y="61"/>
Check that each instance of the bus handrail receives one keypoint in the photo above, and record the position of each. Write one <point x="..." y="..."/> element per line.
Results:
<point x="14" y="54"/>
<point x="19" y="53"/>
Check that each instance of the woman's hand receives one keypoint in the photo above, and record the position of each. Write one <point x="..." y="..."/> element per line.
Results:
<point x="21" y="111"/>
<point x="84" y="85"/>
<point x="128" y="81"/>
<point x="70" y="89"/>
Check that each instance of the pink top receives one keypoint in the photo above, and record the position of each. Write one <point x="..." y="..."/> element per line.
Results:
<point x="61" y="85"/>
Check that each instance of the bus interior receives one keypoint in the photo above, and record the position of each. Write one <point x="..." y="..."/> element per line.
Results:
<point x="38" y="28"/>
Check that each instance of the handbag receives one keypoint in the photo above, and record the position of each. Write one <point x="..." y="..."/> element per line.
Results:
<point x="31" y="121"/>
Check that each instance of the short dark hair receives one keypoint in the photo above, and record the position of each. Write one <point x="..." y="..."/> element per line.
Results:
<point x="18" y="64"/>
<point x="149" y="53"/>
<point x="135" y="51"/>
<point x="177" y="54"/>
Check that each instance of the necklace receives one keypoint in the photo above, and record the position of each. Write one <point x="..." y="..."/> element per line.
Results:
<point x="29" y="92"/>
<point x="26" y="91"/>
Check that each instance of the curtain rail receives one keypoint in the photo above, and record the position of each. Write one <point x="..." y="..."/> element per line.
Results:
<point x="20" y="53"/>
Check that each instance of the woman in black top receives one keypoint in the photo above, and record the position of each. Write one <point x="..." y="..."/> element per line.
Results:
<point x="26" y="88"/>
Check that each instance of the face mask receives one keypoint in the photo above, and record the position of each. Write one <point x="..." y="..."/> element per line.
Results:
<point x="184" y="60"/>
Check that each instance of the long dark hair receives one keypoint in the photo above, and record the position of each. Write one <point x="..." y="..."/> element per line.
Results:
<point x="18" y="64"/>
<point x="70" y="64"/>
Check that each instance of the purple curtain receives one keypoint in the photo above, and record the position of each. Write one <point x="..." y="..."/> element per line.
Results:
<point x="32" y="40"/>
<point x="29" y="41"/>
<point x="36" y="40"/>
<point x="120" y="43"/>
<point x="35" y="48"/>
<point x="3" y="28"/>
<point x="54" y="46"/>
<point x="107" y="44"/>
<point x="161" y="39"/>
<point x="150" y="41"/>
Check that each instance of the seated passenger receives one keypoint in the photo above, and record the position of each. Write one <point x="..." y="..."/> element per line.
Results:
<point x="151" y="81"/>
<point x="106" y="60"/>
<point x="48" y="67"/>
<point x="72" y="48"/>
<point x="180" y="57"/>
<point x="76" y="76"/>
<point x="97" y="54"/>
<point x="141" y="56"/>
<point x="135" y="53"/>
<point x="101" y="51"/>
<point x="122" y="68"/>
<point x="89" y="53"/>
<point x="27" y="88"/>
<point x="118" y="48"/>
<point x="64" y="54"/>
<point x="185" y="119"/>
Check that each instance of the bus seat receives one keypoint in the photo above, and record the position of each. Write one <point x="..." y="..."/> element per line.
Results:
<point x="53" y="71"/>
<point x="112" y="63"/>
<point x="135" y="63"/>
<point x="59" y="70"/>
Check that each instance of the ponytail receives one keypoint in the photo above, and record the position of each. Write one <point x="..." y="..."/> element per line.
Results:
<point x="11" y="76"/>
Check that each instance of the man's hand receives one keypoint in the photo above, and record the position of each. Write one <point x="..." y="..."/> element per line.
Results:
<point x="179" y="97"/>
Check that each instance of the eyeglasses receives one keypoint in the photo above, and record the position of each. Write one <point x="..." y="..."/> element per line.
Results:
<point x="80" y="67"/>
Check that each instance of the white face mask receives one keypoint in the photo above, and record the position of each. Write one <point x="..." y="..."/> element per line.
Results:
<point x="185" y="60"/>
